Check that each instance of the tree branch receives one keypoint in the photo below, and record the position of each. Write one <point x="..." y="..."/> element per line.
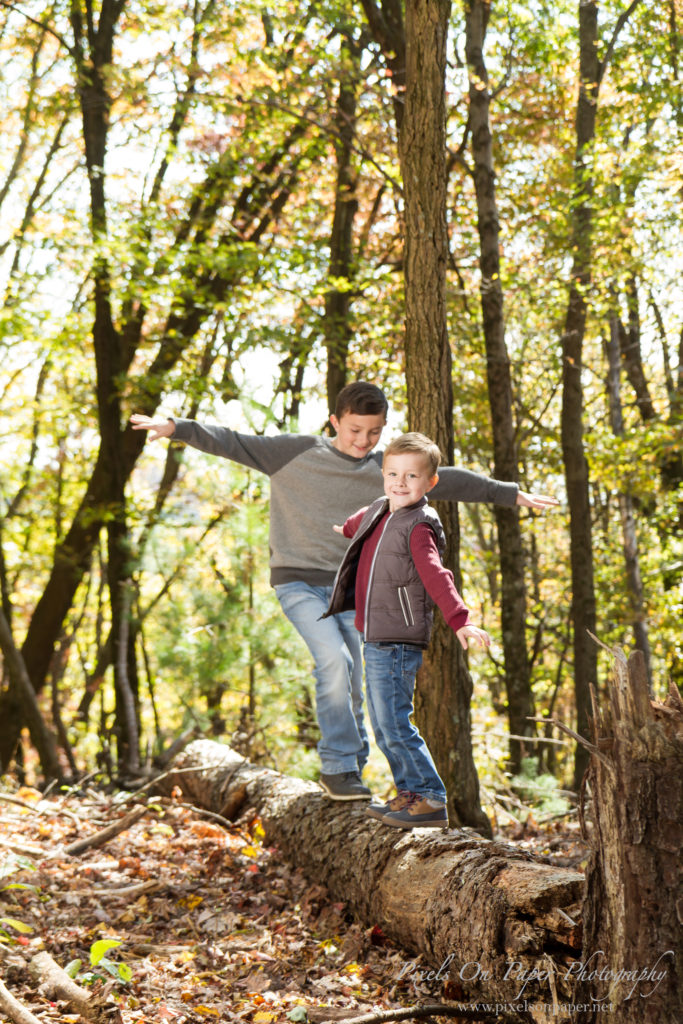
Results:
<point x="39" y="24"/>
<point x="623" y="18"/>
<point x="15" y="1010"/>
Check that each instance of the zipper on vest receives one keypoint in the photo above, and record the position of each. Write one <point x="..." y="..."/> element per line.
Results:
<point x="404" y="601"/>
<point x="370" y="575"/>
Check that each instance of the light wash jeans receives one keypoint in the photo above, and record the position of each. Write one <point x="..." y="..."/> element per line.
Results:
<point x="390" y="671"/>
<point x="338" y="670"/>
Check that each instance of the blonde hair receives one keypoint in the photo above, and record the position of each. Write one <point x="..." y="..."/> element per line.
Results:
<point x="418" y="444"/>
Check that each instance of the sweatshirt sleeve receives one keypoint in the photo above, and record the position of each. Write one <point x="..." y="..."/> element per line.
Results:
<point x="267" y="454"/>
<point x="464" y="485"/>
<point x="437" y="579"/>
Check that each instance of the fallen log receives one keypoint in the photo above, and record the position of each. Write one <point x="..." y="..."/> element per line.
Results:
<point x="500" y="925"/>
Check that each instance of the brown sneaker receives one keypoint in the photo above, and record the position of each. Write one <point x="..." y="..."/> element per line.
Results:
<point x="417" y="813"/>
<point x="397" y="803"/>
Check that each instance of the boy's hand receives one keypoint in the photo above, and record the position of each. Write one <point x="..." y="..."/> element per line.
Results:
<point x="540" y="502"/>
<point x="338" y="529"/>
<point x="467" y="633"/>
<point x="157" y="428"/>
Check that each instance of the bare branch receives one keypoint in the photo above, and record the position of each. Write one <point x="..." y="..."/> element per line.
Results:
<point x="105" y="834"/>
<point x="623" y="18"/>
<point x="39" y="24"/>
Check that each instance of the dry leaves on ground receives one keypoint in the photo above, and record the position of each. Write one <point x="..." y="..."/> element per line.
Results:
<point x="189" y="920"/>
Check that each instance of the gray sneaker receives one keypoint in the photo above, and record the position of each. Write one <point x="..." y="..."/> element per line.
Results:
<point x="345" y="786"/>
<point x="397" y="803"/>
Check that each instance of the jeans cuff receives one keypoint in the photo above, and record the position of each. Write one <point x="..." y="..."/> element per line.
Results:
<point x="337" y="769"/>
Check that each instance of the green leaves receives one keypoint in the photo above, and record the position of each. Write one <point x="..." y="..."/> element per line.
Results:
<point x="99" y="958"/>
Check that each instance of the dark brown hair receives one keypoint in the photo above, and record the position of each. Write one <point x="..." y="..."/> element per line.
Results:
<point x="362" y="399"/>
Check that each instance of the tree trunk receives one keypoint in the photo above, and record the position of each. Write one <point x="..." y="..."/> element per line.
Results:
<point x="482" y="912"/>
<point x="337" y="324"/>
<point x="386" y="24"/>
<point x="632" y="911"/>
<point x="23" y="694"/>
<point x="575" y="463"/>
<point x="444" y="686"/>
<point x="634" y="582"/>
<point x="631" y="353"/>
<point x="512" y="562"/>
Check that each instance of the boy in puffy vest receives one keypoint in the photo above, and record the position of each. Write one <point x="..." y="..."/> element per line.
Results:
<point x="392" y="574"/>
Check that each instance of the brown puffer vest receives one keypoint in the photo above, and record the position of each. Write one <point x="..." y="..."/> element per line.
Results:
<point x="398" y="608"/>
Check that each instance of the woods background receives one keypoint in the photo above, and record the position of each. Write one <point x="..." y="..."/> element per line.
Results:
<point x="214" y="211"/>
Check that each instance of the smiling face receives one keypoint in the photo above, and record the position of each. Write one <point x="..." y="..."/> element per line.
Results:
<point x="407" y="478"/>
<point x="357" y="435"/>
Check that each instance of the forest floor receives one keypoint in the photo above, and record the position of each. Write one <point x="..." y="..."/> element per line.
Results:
<point x="191" y="920"/>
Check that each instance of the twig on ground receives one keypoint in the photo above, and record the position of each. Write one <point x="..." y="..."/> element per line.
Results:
<point x="55" y="983"/>
<point x="15" y="1010"/>
<point x="137" y="889"/>
<point x="28" y="849"/>
<point x="8" y="798"/>
<point x="203" y="813"/>
<point x="101" y="837"/>
<point x="153" y="782"/>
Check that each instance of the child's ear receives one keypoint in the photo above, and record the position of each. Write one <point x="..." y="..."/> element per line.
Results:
<point x="433" y="482"/>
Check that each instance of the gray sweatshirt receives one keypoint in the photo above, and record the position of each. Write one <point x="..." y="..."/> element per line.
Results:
<point x="313" y="486"/>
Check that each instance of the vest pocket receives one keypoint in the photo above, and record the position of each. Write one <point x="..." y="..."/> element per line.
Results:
<point x="404" y="601"/>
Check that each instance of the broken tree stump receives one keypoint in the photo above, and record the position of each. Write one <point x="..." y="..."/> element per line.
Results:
<point x="632" y="959"/>
<point x="501" y="925"/>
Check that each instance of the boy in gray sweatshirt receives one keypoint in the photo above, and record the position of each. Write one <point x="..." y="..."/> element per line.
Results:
<point x="313" y="481"/>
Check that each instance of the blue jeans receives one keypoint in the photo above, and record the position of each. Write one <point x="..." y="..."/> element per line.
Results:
<point x="338" y="670"/>
<point x="390" y="671"/>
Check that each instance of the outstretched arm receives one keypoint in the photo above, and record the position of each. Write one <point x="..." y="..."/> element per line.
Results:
<point x="264" y="453"/>
<point x="457" y="484"/>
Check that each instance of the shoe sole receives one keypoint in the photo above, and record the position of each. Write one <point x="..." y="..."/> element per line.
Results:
<point x="376" y="812"/>
<point x="407" y="825"/>
<point x="345" y="796"/>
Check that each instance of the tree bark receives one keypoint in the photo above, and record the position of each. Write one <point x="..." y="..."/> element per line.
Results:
<point x="634" y="581"/>
<point x="631" y="353"/>
<point x="575" y="462"/>
<point x="23" y="693"/>
<point x="479" y="910"/>
<point x="444" y="686"/>
<point x="512" y="562"/>
<point x="337" y="324"/>
<point x="633" y="905"/>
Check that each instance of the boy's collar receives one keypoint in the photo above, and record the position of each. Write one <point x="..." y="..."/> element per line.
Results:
<point x="407" y="508"/>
